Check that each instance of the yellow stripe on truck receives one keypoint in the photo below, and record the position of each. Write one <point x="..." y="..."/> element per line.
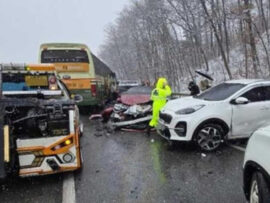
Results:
<point x="6" y="144"/>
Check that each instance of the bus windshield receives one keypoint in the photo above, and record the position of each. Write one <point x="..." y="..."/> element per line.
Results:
<point x="64" y="56"/>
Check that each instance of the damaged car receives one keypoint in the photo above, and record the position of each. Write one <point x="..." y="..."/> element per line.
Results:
<point x="231" y="110"/>
<point x="39" y="124"/>
<point x="132" y="111"/>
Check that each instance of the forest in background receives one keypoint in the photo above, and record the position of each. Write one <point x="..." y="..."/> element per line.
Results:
<point x="227" y="39"/>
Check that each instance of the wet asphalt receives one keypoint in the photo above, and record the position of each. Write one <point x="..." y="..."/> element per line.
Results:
<point x="129" y="167"/>
<point x="46" y="189"/>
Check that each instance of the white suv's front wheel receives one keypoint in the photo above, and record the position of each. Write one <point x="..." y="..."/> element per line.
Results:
<point x="259" y="191"/>
<point x="209" y="137"/>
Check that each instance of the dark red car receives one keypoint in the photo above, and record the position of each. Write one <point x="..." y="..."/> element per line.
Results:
<point x="133" y="109"/>
<point x="136" y="95"/>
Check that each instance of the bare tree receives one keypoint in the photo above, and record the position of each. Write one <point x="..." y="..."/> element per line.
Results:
<point x="172" y="38"/>
<point x="217" y="38"/>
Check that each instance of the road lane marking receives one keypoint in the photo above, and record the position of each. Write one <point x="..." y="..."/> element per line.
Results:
<point x="69" y="195"/>
<point x="155" y="153"/>
<point x="237" y="148"/>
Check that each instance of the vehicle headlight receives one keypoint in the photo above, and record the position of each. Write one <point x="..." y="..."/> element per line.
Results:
<point x="189" y="110"/>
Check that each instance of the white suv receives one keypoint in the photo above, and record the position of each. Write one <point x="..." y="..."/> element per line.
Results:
<point x="234" y="109"/>
<point x="257" y="167"/>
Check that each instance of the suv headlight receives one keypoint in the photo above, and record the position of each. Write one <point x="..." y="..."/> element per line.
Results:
<point x="189" y="110"/>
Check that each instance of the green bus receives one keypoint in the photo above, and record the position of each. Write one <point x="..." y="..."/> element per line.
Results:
<point x="81" y="71"/>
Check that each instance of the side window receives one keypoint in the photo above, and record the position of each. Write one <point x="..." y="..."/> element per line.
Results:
<point x="255" y="95"/>
<point x="267" y="93"/>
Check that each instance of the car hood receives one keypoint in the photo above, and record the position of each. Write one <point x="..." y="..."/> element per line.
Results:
<point x="133" y="99"/>
<point x="177" y="104"/>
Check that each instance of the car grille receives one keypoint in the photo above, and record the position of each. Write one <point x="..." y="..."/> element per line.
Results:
<point x="165" y="117"/>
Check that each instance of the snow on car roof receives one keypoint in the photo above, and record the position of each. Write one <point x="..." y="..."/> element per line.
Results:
<point x="245" y="81"/>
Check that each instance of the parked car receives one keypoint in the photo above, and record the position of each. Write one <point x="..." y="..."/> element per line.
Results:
<point x="233" y="109"/>
<point x="256" y="174"/>
<point x="136" y="95"/>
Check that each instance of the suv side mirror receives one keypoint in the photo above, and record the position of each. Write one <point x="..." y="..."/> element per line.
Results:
<point x="77" y="98"/>
<point x="241" y="100"/>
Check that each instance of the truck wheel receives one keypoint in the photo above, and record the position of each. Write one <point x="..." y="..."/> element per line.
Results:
<point x="259" y="190"/>
<point x="209" y="137"/>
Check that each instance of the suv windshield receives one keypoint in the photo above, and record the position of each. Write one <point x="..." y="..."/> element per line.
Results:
<point x="220" y="92"/>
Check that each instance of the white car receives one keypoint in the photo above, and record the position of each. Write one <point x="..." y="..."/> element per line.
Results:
<point x="256" y="174"/>
<point x="233" y="109"/>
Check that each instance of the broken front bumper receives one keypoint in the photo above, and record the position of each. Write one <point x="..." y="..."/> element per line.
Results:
<point x="132" y="122"/>
<point x="163" y="131"/>
<point x="175" y="130"/>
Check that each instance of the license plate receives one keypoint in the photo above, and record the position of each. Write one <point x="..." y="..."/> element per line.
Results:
<point x="161" y="121"/>
<point x="161" y="126"/>
<point x="36" y="80"/>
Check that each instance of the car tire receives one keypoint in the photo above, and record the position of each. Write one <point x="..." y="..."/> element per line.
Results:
<point x="209" y="137"/>
<point x="259" y="190"/>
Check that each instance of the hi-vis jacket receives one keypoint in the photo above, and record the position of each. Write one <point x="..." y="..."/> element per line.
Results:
<point x="159" y="96"/>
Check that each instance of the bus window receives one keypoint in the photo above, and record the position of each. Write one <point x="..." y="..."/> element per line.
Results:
<point x="64" y="56"/>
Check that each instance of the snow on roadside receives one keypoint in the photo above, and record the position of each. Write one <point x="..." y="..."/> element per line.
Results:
<point x="236" y="64"/>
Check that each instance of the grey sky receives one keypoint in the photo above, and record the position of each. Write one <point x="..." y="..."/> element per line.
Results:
<point x="25" y="24"/>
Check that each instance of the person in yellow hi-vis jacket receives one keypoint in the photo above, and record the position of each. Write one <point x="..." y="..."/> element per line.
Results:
<point x="159" y="97"/>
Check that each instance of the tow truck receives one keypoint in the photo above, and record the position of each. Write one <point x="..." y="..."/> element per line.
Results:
<point x="39" y="123"/>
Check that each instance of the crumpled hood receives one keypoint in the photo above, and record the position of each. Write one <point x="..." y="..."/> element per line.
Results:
<point x="177" y="104"/>
<point x="135" y="99"/>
